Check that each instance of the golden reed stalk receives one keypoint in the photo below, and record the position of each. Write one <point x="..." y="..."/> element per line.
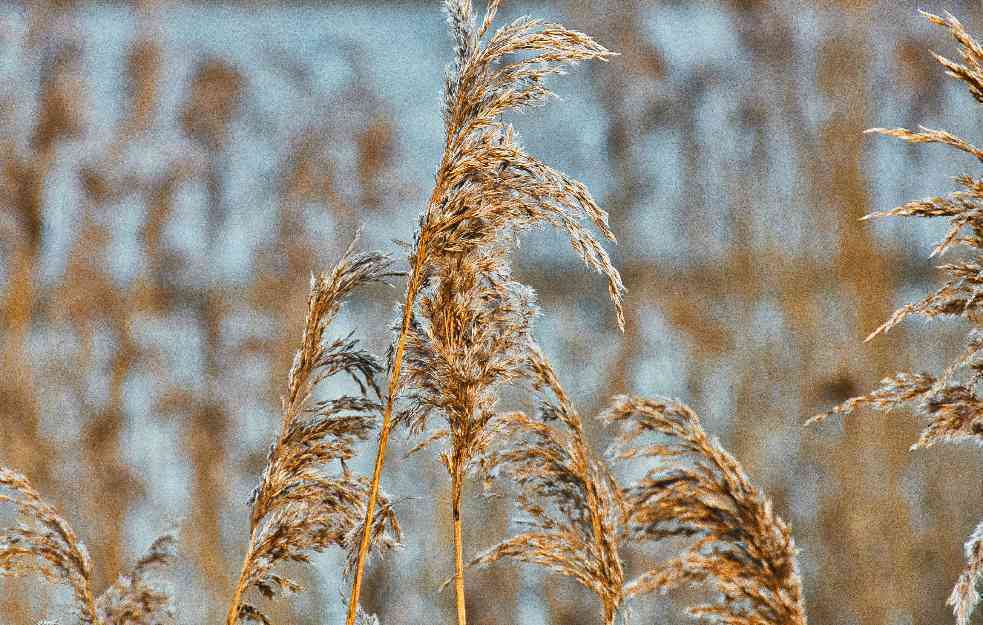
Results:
<point x="387" y="420"/>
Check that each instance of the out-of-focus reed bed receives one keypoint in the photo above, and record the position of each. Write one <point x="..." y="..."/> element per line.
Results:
<point x="464" y="375"/>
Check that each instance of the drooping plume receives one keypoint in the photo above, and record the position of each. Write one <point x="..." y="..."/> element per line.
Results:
<point x="695" y="489"/>
<point x="45" y="543"/>
<point x="570" y="504"/>
<point x="301" y="505"/>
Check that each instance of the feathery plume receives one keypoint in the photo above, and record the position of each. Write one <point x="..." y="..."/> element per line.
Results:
<point x="299" y="506"/>
<point x="45" y="544"/>
<point x="742" y="549"/>
<point x="364" y="618"/>
<point x="568" y="499"/>
<point x="487" y="191"/>
<point x="134" y="598"/>
<point x="467" y="339"/>
<point x="949" y="401"/>
<point x="964" y="596"/>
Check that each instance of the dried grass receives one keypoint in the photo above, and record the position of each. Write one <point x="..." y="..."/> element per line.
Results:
<point x="298" y="506"/>
<point x="695" y="489"/>
<point x="464" y="333"/>
<point x="462" y="316"/>
<point x="45" y="543"/>
<point x="581" y="519"/>
<point x="570" y="502"/>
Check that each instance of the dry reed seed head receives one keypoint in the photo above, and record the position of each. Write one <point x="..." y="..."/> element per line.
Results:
<point x="136" y="598"/>
<point x="470" y="321"/>
<point x="554" y="403"/>
<point x="698" y="490"/>
<point x="465" y="323"/>
<point x="892" y="393"/>
<point x="487" y="187"/>
<point x="571" y="514"/>
<point x="949" y="400"/>
<point x="928" y="135"/>
<point x="965" y="597"/>
<point x="970" y="73"/>
<point x="328" y="292"/>
<point x="364" y="618"/>
<point x="44" y="543"/>
<point x="566" y="496"/>
<point x="540" y="374"/>
<point x="467" y="339"/>
<point x="299" y="506"/>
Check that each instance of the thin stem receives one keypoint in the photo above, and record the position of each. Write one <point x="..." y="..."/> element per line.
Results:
<point x="411" y="289"/>
<point x="233" y="615"/>
<point x="90" y="604"/>
<point x="609" y="613"/>
<point x="363" y="547"/>
<point x="456" y="488"/>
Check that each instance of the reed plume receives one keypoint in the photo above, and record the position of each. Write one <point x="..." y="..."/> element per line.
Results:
<point x="581" y="519"/>
<point x="569" y="500"/>
<point x="45" y="543"/>
<point x="465" y="342"/>
<point x="134" y="598"/>
<point x="948" y="400"/>
<point x="742" y="549"/>
<point x="299" y="506"/>
<point x="487" y="191"/>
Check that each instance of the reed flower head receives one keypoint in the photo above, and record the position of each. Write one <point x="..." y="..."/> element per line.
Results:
<point x="464" y="319"/>
<point x="300" y="506"/>
<point x="570" y="504"/>
<point x="488" y="188"/>
<point x="579" y="519"/>
<point x="696" y="489"/>
<point x="45" y="543"/>
<point x="136" y="598"/>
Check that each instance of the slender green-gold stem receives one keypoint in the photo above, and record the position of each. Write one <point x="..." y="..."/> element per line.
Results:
<point x="411" y="288"/>
<point x="457" y="484"/>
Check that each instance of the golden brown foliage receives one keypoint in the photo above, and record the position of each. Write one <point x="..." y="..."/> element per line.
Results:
<point x="581" y="519"/>
<point x="465" y="333"/>
<point x="698" y="490"/>
<point x="570" y="502"/>
<point x="487" y="191"/>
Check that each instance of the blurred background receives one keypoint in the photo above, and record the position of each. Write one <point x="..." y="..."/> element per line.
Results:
<point x="172" y="172"/>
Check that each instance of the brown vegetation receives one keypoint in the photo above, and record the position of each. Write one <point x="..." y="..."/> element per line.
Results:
<point x="462" y="351"/>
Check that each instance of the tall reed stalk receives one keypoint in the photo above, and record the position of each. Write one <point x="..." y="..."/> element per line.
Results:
<point x="299" y="507"/>
<point x="487" y="189"/>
